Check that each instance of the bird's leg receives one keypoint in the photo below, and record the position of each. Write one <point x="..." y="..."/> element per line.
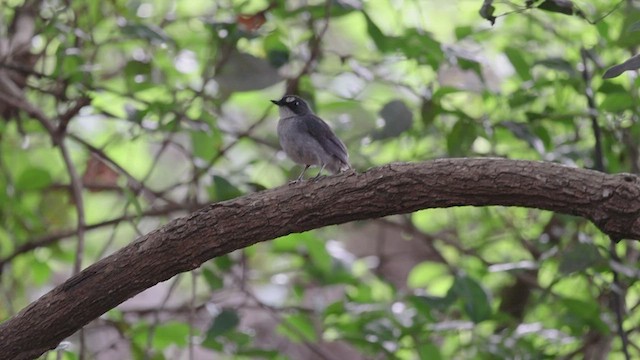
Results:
<point x="302" y="173"/>
<point x="319" y="172"/>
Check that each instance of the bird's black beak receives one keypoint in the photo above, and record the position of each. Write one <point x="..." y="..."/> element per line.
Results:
<point x="277" y="102"/>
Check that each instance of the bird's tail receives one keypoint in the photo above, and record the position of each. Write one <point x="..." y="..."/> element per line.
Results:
<point x="338" y="166"/>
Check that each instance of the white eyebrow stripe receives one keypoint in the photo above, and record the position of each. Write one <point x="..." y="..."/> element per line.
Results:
<point x="290" y="99"/>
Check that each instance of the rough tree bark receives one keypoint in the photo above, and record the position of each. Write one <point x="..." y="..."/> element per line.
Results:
<point x="611" y="202"/>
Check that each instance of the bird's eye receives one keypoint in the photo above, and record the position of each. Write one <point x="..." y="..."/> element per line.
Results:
<point x="297" y="103"/>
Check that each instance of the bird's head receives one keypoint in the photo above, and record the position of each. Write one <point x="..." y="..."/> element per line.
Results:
<point x="292" y="105"/>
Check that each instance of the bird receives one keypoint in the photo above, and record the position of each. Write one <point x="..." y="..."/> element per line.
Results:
<point x="307" y="139"/>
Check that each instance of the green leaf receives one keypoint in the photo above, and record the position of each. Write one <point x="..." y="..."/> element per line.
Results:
<point x="258" y="353"/>
<point x="558" y="6"/>
<point x="422" y="47"/>
<point x="461" y="138"/>
<point x="278" y="58"/>
<point x="233" y="76"/>
<point x="429" y="110"/>
<point x="360" y="293"/>
<point x="434" y="302"/>
<point x="226" y="321"/>
<point x="137" y="75"/>
<point x="382" y="42"/>
<point x="519" y="62"/>
<point x="319" y="255"/>
<point x="429" y="351"/>
<point x="222" y="189"/>
<point x="149" y="32"/>
<point x="523" y="131"/>
<point x="617" y="102"/>
<point x="338" y="8"/>
<point x="428" y="274"/>
<point x="132" y="199"/>
<point x="634" y="27"/>
<point x="463" y="31"/>
<point x="470" y="64"/>
<point x="336" y="308"/>
<point x="397" y="119"/>
<point x="171" y="333"/>
<point x="215" y="282"/>
<point x="33" y="178"/>
<point x="580" y="314"/>
<point x="476" y="301"/>
<point x="559" y="64"/>
<point x="223" y="263"/>
<point x="580" y="257"/>
<point x="277" y="52"/>
<point x="630" y="64"/>
<point x="522" y="98"/>
<point x="487" y="10"/>
<point x="71" y="67"/>
<point x="297" y="328"/>
<point x="205" y="143"/>
<point x="609" y="87"/>
<point x="40" y="272"/>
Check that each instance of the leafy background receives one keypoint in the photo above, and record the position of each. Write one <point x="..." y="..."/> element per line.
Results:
<point x="118" y="116"/>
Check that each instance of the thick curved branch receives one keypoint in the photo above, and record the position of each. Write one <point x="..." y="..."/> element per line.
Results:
<point x="612" y="202"/>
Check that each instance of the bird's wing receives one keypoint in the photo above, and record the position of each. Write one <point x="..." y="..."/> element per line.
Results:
<point x="329" y="141"/>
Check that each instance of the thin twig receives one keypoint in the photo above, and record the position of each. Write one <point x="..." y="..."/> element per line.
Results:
<point x="316" y="41"/>
<point x="55" y="237"/>
<point x="593" y="112"/>
<point x="156" y="317"/>
<point x="192" y="313"/>
<point x="618" y="300"/>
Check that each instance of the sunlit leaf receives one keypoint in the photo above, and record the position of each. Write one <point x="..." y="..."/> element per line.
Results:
<point x="383" y="43"/>
<point x="40" y="272"/>
<point x="297" y="328"/>
<point x="205" y="143"/>
<point x="617" y="102"/>
<point x="519" y="62"/>
<point x="171" y="333"/>
<point x="33" y="178"/>
<point x="428" y="274"/>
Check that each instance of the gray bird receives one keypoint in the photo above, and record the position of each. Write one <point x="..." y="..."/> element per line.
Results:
<point x="307" y="139"/>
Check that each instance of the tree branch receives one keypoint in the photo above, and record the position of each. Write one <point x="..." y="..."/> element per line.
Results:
<point x="612" y="202"/>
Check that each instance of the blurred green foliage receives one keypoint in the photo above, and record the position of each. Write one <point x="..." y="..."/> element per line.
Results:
<point x="178" y="116"/>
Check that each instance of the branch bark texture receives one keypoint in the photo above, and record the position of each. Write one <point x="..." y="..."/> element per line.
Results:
<point x="611" y="202"/>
